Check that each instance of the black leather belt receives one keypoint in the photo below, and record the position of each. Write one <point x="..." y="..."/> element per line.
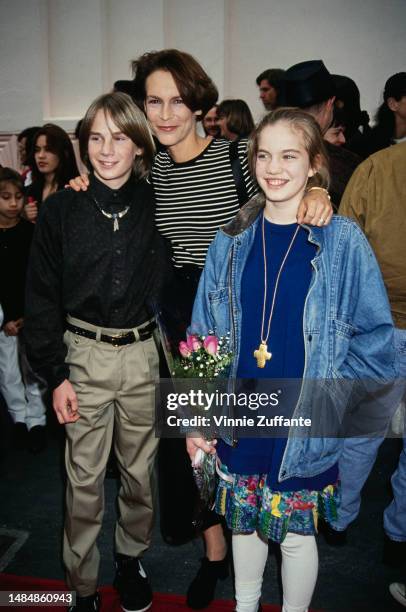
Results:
<point x="120" y="339"/>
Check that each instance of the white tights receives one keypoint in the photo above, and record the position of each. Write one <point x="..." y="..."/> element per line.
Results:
<point x="299" y="571"/>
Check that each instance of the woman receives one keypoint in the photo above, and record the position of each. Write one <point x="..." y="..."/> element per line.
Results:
<point x="304" y="297"/>
<point x="390" y="119"/>
<point x="235" y="119"/>
<point x="199" y="185"/>
<point x="53" y="164"/>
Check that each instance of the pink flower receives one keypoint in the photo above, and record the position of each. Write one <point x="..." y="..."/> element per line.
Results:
<point x="184" y="350"/>
<point x="251" y="500"/>
<point x="193" y="343"/>
<point x="211" y="344"/>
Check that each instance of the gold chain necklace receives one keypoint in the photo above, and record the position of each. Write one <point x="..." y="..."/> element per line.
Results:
<point x="261" y="354"/>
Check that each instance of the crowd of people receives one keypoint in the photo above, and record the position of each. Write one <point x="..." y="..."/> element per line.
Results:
<point x="195" y="221"/>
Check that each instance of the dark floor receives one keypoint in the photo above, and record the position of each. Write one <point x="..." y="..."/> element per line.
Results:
<point x="351" y="579"/>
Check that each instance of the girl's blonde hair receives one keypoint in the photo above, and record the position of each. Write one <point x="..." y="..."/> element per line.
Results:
<point x="304" y="123"/>
<point x="130" y="121"/>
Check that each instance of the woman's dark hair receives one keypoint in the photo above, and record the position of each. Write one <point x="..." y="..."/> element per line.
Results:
<point x="395" y="87"/>
<point x="238" y="117"/>
<point x="348" y="101"/>
<point x="385" y="120"/>
<point x="129" y="119"/>
<point x="196" y="88"/>
<point x="29" y="134"/>
<point x="59" y="143"/>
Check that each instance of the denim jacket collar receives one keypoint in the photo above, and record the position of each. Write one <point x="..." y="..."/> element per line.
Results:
<point x="249" y="216"/>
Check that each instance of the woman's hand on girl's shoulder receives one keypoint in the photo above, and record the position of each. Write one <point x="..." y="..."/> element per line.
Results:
<point x="79" y="183"/>
<point x="315" y="208"/>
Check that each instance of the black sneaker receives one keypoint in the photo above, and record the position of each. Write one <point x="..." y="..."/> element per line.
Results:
<point x="132" y="584"/>
<point x="201" y="590"/>
<point x="91" y="603"/>
<point x="332" y="536"/>
<point x="394" y="552"/>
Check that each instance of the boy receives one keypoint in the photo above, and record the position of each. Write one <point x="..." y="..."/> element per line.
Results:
<point x="23" y="399"/>
<point x="98" y="262"/>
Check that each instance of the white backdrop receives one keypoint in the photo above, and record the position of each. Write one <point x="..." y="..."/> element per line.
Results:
<point x="57" y="55"/>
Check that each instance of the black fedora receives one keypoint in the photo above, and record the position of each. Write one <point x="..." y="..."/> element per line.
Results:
<point x="308" y="83"/>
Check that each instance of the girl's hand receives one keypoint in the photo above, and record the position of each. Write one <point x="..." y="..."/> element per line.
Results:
<point x="315" y="208"/>
<point x="193" y="445"/>
<point x="79" y="183"/>
<point x="31" y="210"/>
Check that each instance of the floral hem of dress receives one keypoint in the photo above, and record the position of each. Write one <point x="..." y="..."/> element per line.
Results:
<point x="249" y="505"/>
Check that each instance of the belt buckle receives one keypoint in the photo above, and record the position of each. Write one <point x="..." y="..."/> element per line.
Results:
<point x="116" y="338"/>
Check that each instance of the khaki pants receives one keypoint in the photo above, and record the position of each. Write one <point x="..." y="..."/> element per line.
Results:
<point x="115" y="390"/>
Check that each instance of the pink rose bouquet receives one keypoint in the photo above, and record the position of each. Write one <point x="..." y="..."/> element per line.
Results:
<point x="202" y="357"/>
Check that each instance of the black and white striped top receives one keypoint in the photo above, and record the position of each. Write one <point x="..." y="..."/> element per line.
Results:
<point x="195" y="198"/>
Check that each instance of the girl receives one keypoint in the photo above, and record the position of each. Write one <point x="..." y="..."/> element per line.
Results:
<point x="199" y="184"/>
<point x="295" y="301"/>
<point x="53" y="164"/>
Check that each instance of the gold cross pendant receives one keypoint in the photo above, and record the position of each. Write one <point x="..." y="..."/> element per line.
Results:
<point x="262" y="355"/>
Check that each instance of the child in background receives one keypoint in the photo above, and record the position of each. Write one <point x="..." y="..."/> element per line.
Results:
<point x="300" y="301"/>
<point x="23" y="399"/>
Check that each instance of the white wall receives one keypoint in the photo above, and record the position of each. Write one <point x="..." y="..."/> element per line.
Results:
<point x="21" y="64"/>
<point x="57" y="55"/>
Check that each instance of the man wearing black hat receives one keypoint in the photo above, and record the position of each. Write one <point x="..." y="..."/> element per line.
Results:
<point x="310" y="86"/>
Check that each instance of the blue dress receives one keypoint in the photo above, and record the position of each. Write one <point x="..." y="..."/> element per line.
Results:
<point x="257" y="500"/>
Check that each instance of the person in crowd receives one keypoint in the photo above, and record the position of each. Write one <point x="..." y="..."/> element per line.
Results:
<point x="310" y="86"/>
<point x="53" y="164"/>
<point x="210" y="122"/>
<point x="270" y="84"/>
<point x="272" y="488"/>
<point x="335" y="134"/>
<point x="25" y="142"/>
<point x="212" y="181"/>
<point x="97" y="265"/>
<point x="235" y="119"/>
<point x="20" y="389"/>
<point x="348" y="102"/>
<point x="390" y="119"/>
<point x="376" y="198"/>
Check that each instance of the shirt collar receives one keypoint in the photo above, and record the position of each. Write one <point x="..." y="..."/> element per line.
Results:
<point x="106" y="196"/>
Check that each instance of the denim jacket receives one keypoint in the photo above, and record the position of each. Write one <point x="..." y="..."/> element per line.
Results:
<point x="347" y="324"/>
